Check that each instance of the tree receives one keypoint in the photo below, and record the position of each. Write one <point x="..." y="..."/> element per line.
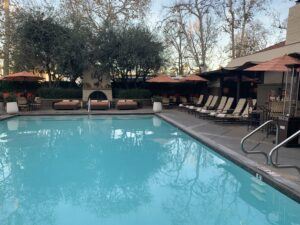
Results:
<point x="174" y="36"/>
<point x="41" y="43"/>
<point x="7" y="36"/>
<point x="127" y="53"/>
<point x="201" y="35"/>
<point x="98" y="12"/>
<point x="238" y="15"/>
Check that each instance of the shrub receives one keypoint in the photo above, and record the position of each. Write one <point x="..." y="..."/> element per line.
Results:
<point x="133" y="93"/>
<point x="11" y="98"/>
<point x="157" y="99"/>
<point x="59" y="93"/>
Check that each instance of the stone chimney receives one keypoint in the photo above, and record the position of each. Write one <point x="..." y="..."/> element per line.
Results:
<point x="293" y="28"/>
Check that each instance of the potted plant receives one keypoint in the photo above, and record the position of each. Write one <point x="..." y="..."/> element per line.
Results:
<point x="11" y="104"/>
<point x="157" y="104"/>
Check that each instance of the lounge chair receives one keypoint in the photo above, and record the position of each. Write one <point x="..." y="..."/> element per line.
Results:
<point x="275" y="110"/>
<point x="100" y="104"/>
<point x="198" y="102"/>
<point x="126" y="104"/>
<point x="67" y="105"/>
<point x="219" y="108"/>
<point x="182" y="102"/>
<point x="237" y="111"/>
<point x="22" y="103"/>
<point x="224" y="110"/>
<point x="245" y="114"/>
<point x="208" y="103"/>
<point x="211" y="106"/>
<point x="165" y="102"/>
<point x="36" y="104"/>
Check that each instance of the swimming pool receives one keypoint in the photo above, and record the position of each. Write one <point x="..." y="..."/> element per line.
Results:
<point x="125" y="170"/>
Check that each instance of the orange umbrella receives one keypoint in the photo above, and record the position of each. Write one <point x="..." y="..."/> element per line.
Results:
<point x="275" y="65"/>
<point x="22" y="76"/>
<point x="162" y="79"/>
<point x="194" y="78"/>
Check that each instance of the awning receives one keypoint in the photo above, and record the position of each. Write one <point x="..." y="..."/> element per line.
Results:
<point x="275" y="65"/>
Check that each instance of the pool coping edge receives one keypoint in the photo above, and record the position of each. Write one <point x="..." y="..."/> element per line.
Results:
<point x="272" y="178"/>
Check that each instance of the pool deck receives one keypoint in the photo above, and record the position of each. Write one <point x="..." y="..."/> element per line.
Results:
<point x="224" y="138"/>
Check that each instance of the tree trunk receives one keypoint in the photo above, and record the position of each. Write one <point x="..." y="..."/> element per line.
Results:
<point x="7" y="38"/>
<point x="232" y="28"/>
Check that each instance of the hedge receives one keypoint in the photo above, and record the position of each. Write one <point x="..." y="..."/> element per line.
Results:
<point x="59" y="93"/>
<point x="133" y="93"/>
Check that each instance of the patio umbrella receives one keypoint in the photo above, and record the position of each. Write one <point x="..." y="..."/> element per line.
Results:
<point x="22" y="77"/>
<point x="194" y="78"/>
<point x="275" y="65"/>
<point x="162" y="79"/>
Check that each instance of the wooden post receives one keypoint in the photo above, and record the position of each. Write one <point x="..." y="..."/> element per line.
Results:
<point x="238" y="87"/>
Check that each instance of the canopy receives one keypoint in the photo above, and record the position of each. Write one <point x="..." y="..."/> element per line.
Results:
<point x="275" y="65"/>
<point x="162" y="79"/>
<point x="22" y="76"/>
<point x="194" y="78"/>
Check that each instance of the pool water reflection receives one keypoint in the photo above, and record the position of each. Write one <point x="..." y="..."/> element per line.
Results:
<point x="115" y="170"/>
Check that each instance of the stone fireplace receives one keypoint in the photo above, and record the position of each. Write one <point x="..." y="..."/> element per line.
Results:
<point x="96" y="86"/>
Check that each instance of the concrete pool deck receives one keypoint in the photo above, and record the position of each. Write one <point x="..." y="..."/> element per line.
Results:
<point x="224" y="138"/>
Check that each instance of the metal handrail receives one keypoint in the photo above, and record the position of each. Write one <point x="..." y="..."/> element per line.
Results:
<point x="253" y="132"/>
<point x="276" y="148"/>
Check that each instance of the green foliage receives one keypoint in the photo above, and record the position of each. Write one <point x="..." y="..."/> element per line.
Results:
<point x="133" y="94"/>
<point x="11" y="98"/>
<point x="127" y="53"/>
<point x="6" y="86"/>
<point x="157" y="99"/>
<point x="44" y="44"/>
<point x="59" y="93"/>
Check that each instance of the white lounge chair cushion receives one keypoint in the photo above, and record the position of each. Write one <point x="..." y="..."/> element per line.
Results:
<point x="221" y="115"/>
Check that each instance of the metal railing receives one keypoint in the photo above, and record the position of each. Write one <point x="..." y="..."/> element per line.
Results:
<point x="277" y="147"/>
<point x="255" y="131"/>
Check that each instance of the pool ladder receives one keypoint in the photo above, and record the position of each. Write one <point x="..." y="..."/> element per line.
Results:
<point x="269" y="157"/>
<point x="277" y="147"/>
<point x="254" y="132"/>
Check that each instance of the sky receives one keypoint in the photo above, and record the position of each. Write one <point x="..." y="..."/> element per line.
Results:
<point x="281" y="7"/>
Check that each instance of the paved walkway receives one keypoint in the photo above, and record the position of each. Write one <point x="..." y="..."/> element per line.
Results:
<point x="228" y="136"/>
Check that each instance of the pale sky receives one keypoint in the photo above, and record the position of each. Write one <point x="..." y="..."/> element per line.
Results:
<point x="279" y="6"/>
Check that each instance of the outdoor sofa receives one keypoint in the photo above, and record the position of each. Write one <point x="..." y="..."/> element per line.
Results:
<point x="67" y="105"/>
<point x="126" y="104"/>
<point x="100" y="104"/>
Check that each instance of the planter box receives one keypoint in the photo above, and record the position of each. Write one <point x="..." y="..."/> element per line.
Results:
<point x="12" y="107"/>
<point x="157" y="107"/>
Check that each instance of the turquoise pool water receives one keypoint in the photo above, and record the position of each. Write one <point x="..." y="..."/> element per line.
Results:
<point x="129" y="170"/>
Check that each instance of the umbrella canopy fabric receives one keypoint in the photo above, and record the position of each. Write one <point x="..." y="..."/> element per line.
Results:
<point x="162" y="79"/>
<point x="22" y="76"/>
<point x="275" y="65"/>
<point x="194" y="78"/>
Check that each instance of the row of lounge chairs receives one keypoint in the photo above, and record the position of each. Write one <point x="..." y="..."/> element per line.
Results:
<point x="123" y="104"/>
<point x="220" y="109"/>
